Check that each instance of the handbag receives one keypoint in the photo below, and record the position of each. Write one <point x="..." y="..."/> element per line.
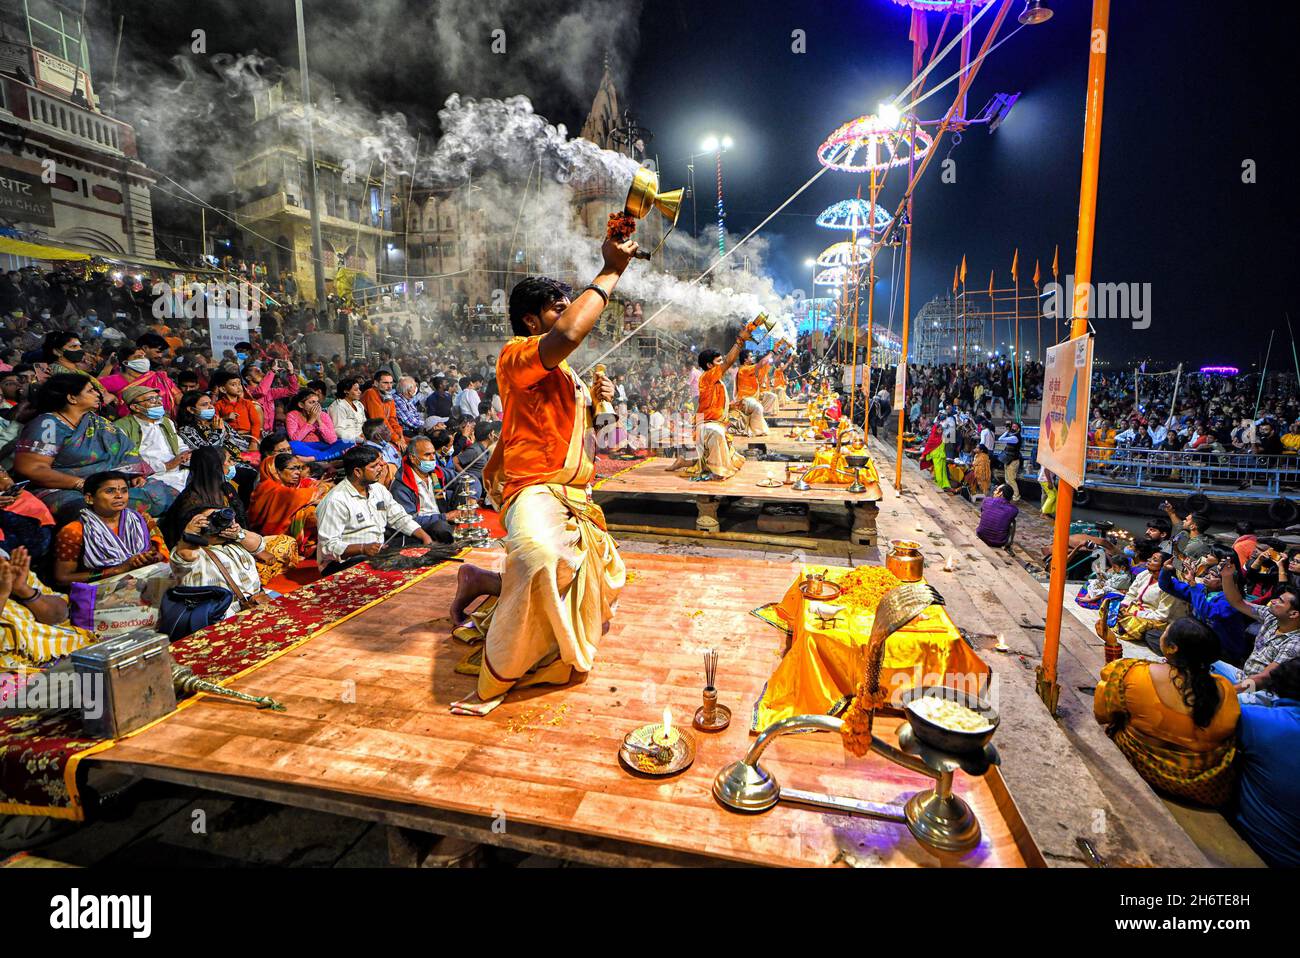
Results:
<point x="187" y="608"/>
<point x="246" y="601"/>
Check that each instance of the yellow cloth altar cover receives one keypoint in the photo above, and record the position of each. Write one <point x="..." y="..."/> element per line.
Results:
<point x="827" y="658"/>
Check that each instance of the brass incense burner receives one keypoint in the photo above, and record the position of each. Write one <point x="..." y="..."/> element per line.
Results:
<point x="644" y="196"/>
<point x="937" y="817"/>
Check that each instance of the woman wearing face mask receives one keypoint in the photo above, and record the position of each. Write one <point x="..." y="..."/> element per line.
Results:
<point x="64" y="354"/>
<point x="68" y="442"/>
<point x="134" y="370"/>
<point x="212" y="485"/>
<point x="198" y="424"/>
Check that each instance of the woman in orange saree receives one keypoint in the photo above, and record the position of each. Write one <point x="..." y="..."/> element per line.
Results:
<point x="1175" y="722"/>
<point x="284" y="500"/>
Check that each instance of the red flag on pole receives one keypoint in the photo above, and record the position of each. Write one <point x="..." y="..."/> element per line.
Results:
<point x="963" y="268"/>
<point x="1056" y="263"/>
<point x="954" y="279"/>
<point x="1037" y="273"/>
<point x="920" y="38"/>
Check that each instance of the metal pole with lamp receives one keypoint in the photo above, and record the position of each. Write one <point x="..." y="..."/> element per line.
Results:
<point x="1049" y="689"/>
<point x="316" y="244"/>
<point x="900" y="387"/>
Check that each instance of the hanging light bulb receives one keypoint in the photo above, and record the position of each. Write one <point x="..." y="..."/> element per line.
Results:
<point x="1036" y="11"/>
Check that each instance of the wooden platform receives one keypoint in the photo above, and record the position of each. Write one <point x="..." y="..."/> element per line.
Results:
<point x="652" y="478"/>
<point x="367" y="733"/>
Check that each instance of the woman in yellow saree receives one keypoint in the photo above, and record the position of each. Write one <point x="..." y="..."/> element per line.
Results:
<point x="1175" y="721"/>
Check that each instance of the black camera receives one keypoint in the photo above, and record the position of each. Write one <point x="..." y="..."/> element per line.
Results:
<point x="219" y="521"/>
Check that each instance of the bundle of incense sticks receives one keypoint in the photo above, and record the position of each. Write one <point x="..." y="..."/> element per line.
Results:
<point x="710" y="667"/>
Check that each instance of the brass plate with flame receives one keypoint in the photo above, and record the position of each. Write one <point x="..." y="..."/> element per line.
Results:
<point x="683" y="752"/>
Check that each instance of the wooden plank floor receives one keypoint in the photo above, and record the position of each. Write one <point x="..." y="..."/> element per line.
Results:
<point x="653" y="478"/>
<point x="548" y="759"/>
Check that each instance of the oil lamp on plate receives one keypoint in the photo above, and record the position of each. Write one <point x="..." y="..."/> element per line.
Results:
<point x="658" y="749"/>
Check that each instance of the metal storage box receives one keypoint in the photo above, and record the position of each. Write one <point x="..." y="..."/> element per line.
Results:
<point x="132" y="679"/>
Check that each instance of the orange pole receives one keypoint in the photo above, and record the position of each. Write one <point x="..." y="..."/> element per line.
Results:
<point x="901" y="395"/>
<point x="1015" y="366"/>
<point x="871" y="301"/>
<point x="853" y="359"/>
<point x="1048" y="689"/>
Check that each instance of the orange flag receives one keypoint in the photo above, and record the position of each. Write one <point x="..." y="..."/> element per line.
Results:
<point x="954" y="279"/>
<point x="1056" y="262"/>
<point x="963" y="268"/>
<point x="1037" y="273"/>
<point x="990" y="284"/>
<point x="1015" y="263"/>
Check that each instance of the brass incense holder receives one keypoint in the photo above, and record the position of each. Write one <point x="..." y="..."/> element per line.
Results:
<point x="711" y="717"/>
<point x="644" y="196"/>
<point x="644" y="751"/>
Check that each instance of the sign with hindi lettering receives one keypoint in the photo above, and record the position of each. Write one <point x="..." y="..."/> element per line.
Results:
<point x="25" y="199"/>
<point x="1067" y="392"/>
<point x="227" y="325"/>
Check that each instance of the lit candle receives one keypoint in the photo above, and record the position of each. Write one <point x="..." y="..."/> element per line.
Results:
<point x="1002" y="644"/>
<point x="667" y="735"/>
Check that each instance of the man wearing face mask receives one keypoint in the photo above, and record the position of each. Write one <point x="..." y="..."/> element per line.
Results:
<point x="419" y="486"/>
<point x="155" y="436"/>
<point x="379" y="404"/>
<point x="353" y="518"/>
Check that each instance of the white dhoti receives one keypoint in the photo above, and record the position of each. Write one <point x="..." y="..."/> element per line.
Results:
<point x="714" y="451"/>
<point x="752" y="411"/>
<point x="769" y="401"/>
<point x="561" y="582"/>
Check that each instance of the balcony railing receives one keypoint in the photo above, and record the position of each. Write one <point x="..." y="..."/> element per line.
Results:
<point x="74" y="122"/>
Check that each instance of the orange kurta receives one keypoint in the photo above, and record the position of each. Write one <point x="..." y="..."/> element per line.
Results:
<point x="746" y="382"/>
<point x="248" y="415"/>
<point x="537" y="430"/>
<point x="778" y="377"/>
<point x="713" y="396"/>
<point x="378" y="408"/>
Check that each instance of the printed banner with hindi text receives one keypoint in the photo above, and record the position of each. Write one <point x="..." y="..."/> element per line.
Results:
<point x="1063" y="430"/>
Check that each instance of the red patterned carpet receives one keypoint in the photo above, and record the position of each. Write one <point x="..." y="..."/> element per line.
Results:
<point x="39" y="753"/>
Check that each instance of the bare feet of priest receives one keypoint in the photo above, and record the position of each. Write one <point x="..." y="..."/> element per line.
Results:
<point x="472" y="583"/>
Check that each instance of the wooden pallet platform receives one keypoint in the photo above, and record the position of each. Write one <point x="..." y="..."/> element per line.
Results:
<point x="367" y="733"/>
<point x="652" y="478"/>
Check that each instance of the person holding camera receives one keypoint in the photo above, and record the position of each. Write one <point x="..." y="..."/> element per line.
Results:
<point x="215" y="550"/>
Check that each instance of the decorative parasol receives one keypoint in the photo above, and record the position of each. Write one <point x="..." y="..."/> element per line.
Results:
<point x="854" y="215"/>
<point x="872" y="143"/>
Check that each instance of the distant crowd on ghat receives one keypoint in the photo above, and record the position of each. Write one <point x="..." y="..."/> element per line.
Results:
<point x="126" y="445"/>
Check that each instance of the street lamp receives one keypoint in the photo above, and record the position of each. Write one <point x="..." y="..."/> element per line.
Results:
<point x="718" y="146"/>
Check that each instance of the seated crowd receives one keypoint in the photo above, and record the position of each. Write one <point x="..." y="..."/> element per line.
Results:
<point x="1215" y="719"/>
<point x="130" y="472"/>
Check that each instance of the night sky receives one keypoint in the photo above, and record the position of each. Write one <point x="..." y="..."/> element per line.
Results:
<point x="1192" y="90"/>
